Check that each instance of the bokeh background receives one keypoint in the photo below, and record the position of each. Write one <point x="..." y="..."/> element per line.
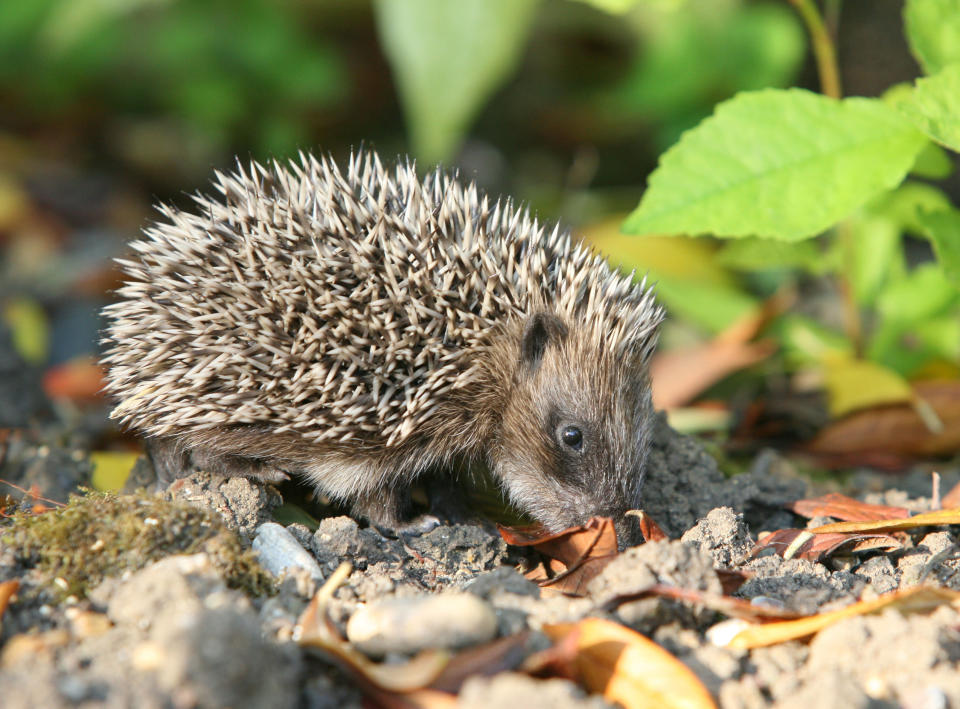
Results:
<point x="110" y="106"/>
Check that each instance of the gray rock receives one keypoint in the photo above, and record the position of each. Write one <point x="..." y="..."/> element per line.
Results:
<point x="278" y="550"/>
<point x="408" y="625"/>
<point x="723" y="534"/>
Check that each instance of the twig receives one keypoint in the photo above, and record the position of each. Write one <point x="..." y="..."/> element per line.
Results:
<point x="823" y="49"/>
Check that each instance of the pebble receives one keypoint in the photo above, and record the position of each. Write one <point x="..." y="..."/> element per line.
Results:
<point x="408" y="625"/>
<point x="278" y="550"/>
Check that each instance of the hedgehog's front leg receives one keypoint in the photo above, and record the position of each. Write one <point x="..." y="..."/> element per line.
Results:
<point x="172" y="459"/>
<point x="390" y="511"/>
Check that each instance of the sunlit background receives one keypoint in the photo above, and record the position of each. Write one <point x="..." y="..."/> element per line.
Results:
<point x="109" y="106"/>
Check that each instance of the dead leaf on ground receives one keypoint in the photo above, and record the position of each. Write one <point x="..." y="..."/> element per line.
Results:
<point x="924" y="519"/>
<point x="486" y="660"/>
<point x="80" y="380"/>
<point x="892" y="436"/>
<point x="815" y="546"/>
<point x="7" y="591"/>
<point x="952" y="498"/>
<point x="314" y="630"/>
<point x="576" y="555"/>
<point x="628" y="668"/>
<point x="679" y="375"/>
<point x="846" y="509"/>
<point x="733" y="579"/>
<point x="650" y="530"/>
<point x="728" y="605"/>
<point x="913" y="600"/>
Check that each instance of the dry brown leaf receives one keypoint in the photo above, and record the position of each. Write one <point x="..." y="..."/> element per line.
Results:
<point x="80" y="380"/>
<point x="845" y="508"/>
<point x="7" y="591"/>
<point x="650" y="530"/>
<point x="629" y="669"/>
<point x="733" y="579"/>
<point x="813" y="545"/>
<point x="314" y="630"/>
<point x="679" y="375"/>
<point x="891" y="436"/>
<point x="486" y="660"/>
<point x="576" y="555"/>
<point x="952" y="498"/>
<point x="924" y="519"/>
<point x="734" y="607"/>
<point x="912" y="600"/>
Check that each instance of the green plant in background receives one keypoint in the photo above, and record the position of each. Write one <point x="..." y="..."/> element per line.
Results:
<point x="247" y="69"/>
<point x="777" y="168"/>
<point x="768" y="170"/>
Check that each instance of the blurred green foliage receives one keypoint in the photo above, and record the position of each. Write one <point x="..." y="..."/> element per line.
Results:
<point x="566" y="104"/>
<point x="245" y="68"/>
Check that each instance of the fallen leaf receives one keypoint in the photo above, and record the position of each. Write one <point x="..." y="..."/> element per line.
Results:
<point x="629" y="669"/>
<point x="650" y="530"/>
<point x="809" y="544"/>
<point x="924" y="519"/>
<point x="111" y="469"/>
<point x="486" y="660"/>
<point x="854" y="384"/>
<point x="679" y="375"/>
<point x="576" y="555"/>
<point x="7" y="591"/>
<point x="846" y="508"/>
<point x="80" y="380"/>
<point x="912" y="600"/>
<point x="952" y="498"/>
<point x="728" y="605"/>
<point x="315" y="631"/>
<point x="732" y="579"/>
<point x="892" y="436"/>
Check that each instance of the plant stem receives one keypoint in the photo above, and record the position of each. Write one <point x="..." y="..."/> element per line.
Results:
<point x="826" y="56"/>
<point x="823" y="49"/>
<point x="854" y="326"/>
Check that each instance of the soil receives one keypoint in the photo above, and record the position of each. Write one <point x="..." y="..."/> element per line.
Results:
<point x="154" y="600"/>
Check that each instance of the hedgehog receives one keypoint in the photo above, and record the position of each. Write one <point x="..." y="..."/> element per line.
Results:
<point x="362" y="328"/>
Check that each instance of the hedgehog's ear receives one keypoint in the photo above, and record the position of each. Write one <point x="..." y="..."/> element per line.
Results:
<point x="539" y="330"/>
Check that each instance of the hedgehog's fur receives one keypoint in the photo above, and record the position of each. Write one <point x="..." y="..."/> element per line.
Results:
<point x="364" y="327"/>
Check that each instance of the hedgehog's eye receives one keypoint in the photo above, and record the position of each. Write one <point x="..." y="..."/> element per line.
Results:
<point x="572" y="436"/>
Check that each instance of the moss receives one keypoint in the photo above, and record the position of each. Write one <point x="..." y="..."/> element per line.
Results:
<point x="100" y="534"/>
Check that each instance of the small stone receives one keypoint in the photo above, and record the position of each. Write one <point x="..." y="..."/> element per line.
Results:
<point x="514" y="689"/>
<point x="408" y="625"/>
<point x="722" y="534"/>
<point x="278" y="550"/>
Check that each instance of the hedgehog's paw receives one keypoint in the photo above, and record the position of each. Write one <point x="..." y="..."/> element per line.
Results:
<point x="389" y="512"/>
<point x="414" y="528"/>
<point x="232" y="466"/>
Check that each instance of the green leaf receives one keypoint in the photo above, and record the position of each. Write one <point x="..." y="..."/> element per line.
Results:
<point x="923" y="293"/>
<point x="694" y="56"/>
<point x="753" y="254"/>
<point x="903" y="205"/>
<point x="447" y="59"/>
<point x="933" y="162"/>
<point x="710" y="306"/>
<point x="875" y="250"/>
<point x="943" y="229"/>
<point x="934" y="106"/>
<point x="779" y="164"/>
<point x="806" y="341"/>
<point x="614" y="7"/>
<point x="933" y="32"/>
